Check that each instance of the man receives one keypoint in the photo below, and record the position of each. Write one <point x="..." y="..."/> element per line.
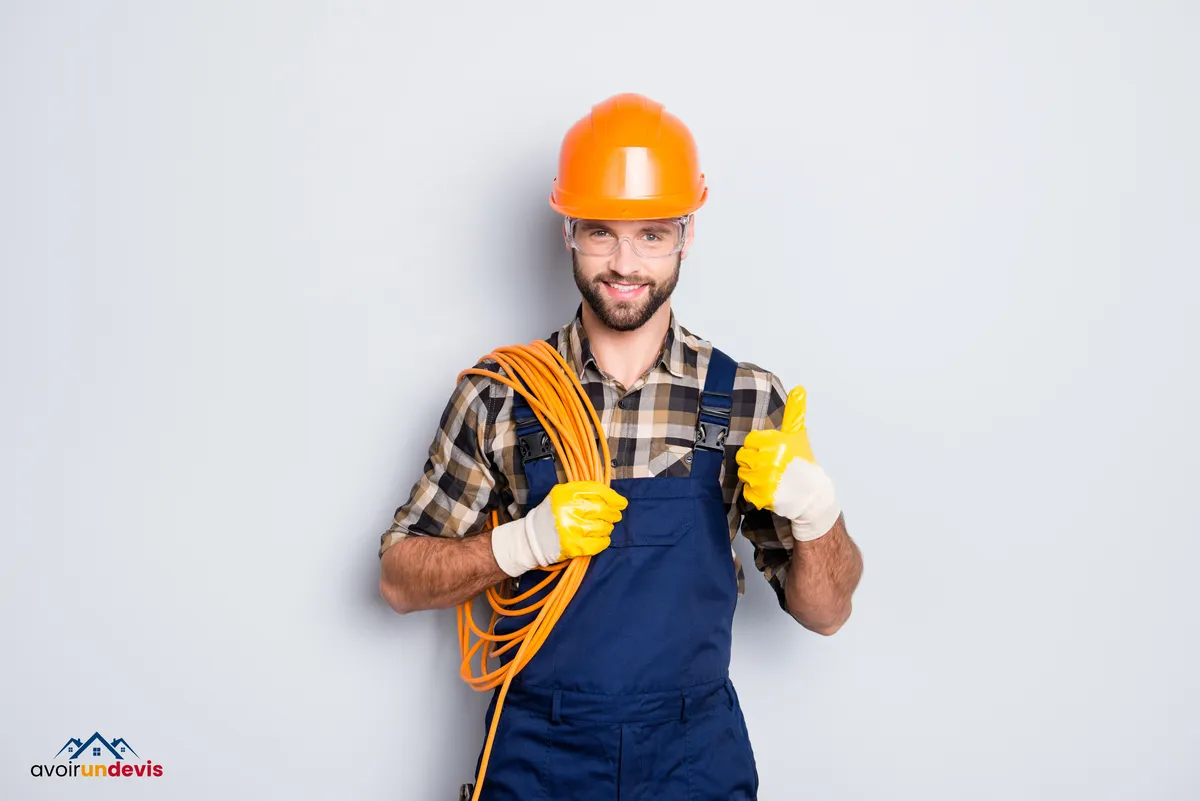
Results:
<point x="629" y="697"/>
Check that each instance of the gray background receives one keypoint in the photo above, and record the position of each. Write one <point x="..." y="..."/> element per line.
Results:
<point x="248" y="246"/>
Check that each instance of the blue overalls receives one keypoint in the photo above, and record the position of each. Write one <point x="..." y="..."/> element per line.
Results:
<point x="629" y="698"/>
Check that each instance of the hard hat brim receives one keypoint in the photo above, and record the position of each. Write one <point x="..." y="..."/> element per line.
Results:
<point x="632" y="208"/>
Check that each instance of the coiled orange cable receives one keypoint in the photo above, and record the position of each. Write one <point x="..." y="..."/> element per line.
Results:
<point x="564" y="410"/>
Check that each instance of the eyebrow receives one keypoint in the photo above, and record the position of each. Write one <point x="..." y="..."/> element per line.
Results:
<point x="655" y="225"/>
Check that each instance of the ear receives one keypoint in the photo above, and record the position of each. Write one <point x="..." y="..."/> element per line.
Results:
<point x="691" y="234"/>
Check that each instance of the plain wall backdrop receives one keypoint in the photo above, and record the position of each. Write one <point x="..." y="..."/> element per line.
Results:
<point x="248" y="246"/>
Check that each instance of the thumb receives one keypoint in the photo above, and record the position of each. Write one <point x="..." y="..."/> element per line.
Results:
<point x="794" y="410"/>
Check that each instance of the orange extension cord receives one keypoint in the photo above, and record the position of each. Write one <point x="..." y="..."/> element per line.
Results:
<point x="559" y="402"/>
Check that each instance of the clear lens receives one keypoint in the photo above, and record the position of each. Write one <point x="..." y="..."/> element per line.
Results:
<point x="651" y="238"/>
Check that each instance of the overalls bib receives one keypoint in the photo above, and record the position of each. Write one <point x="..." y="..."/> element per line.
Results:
<point x="629" y="698"/>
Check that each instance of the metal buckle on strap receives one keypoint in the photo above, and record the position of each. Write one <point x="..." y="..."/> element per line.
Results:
<point x="535" y="445"/>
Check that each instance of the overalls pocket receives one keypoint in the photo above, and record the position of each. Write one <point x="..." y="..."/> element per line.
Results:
<point x="660" y="512"/>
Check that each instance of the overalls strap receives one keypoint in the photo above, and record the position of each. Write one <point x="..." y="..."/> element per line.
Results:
<point x="712" y="425"/>
<point x="535" y="449"/>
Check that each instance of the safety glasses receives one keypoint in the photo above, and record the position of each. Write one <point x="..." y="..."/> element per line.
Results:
<point x="651" y="239"/>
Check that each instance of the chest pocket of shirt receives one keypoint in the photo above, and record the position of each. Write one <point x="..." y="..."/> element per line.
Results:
<point x="670" y="460"/>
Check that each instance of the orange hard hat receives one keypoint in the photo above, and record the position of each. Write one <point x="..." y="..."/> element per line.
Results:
<point x="628" y="160"/>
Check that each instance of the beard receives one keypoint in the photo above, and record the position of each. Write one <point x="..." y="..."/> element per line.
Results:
<point x="624" y="315"/>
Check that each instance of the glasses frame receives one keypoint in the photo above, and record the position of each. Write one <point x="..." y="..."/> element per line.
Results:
<point x="569" y="223"/>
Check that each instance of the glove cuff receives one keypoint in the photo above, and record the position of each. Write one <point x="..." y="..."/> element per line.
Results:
<point x="542" y="532"/>
<point x="806" y="496"/>
<point x="525" y="543"/>
<point x="808" y="528"/>
<point x="510" y="546"/>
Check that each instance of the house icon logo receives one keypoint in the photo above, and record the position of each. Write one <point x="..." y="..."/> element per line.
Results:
<point x="97" y="757"/>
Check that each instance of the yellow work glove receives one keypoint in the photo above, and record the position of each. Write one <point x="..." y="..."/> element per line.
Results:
<point x="779" y="473"/>
<point x="574" y="519"/>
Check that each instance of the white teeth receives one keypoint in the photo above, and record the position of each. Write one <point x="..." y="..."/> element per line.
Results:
<point x="625" y="287"/>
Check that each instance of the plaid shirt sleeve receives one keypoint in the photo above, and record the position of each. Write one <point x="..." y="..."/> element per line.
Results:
<point x="770" y="534"/>
<point x="459" y="484"/>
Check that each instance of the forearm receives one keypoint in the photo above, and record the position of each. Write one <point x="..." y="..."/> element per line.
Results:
<point x="437" y="572"/>
<point x="821" y="578"/>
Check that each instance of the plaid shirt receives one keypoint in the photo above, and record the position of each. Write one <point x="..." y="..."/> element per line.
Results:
<point x="474" y="465"/>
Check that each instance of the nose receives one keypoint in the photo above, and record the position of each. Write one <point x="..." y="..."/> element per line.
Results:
<point x="625" y="261"/>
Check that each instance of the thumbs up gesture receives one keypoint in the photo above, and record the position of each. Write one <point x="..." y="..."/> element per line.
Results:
<point x="779" y="473"/>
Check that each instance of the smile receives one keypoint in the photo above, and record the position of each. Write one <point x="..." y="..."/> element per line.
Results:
<point x="624" y="291"/>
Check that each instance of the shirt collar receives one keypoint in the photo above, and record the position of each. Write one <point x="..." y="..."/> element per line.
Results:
<point x="673" y="356"/>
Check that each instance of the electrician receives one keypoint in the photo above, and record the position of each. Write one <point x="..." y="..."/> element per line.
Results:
<point x="629" y="697"/>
